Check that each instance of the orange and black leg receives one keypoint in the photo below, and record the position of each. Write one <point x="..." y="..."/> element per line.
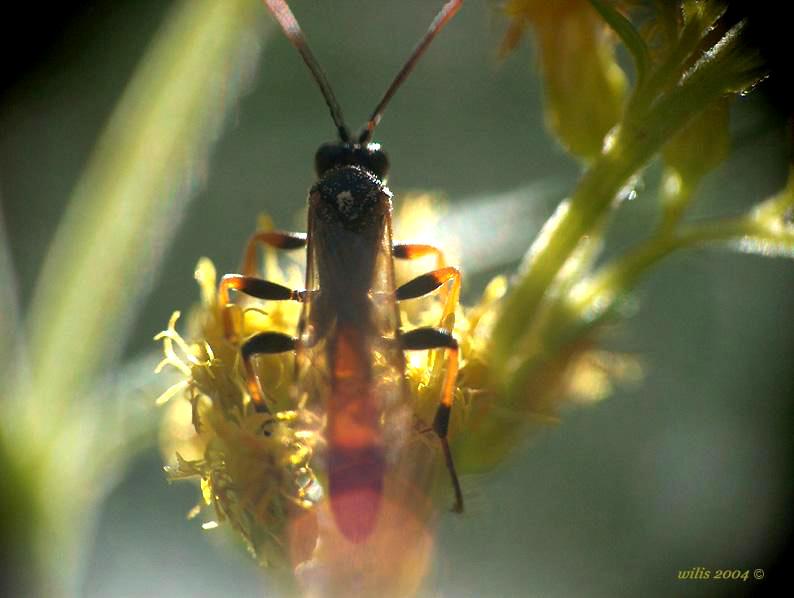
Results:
<point x="435" y="338"/>
<point x="414" y="251"/>
<point x="429" y="282"/>
<point x="275" y="239"/>
<point x="248" y="283"/>
<point x="422" y="339"/>
<point x="264" y="343"/>
<point x="255" y="287"/>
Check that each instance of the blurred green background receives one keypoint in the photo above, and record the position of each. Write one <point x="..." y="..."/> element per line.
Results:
<point x="691" y="468"/>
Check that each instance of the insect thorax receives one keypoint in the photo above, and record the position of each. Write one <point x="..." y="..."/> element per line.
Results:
<point x="350" y="196"/>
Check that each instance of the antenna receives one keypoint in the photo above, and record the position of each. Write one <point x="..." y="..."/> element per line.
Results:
<point x="444" y="15"/>
<point x="292" y="30"/>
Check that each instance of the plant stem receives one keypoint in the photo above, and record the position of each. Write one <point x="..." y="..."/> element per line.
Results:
<point x="616" y="279"/>
<point x="723" y="68"/>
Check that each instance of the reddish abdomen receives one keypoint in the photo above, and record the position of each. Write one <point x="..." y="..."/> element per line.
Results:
<point x="355" y="457"/>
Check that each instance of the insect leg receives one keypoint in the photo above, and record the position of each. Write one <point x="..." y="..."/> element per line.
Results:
<point x="263" y="343"/>
<point x="434" y="338"/>
<point x="426" y="283"/>
<point x="255" y="287"/>
<point x="271" y="238"/>
<point x="413" y="251"/>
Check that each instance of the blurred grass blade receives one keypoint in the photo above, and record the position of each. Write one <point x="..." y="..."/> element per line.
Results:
<point x="124" y="210"/>
<point x="110" y="424"/>
<point x="67" y="424"/>
<point x="12" y="352"/>
<point x="129" y="420"/>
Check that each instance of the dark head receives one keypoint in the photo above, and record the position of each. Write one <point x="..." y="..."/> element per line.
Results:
<point x="369" y="157"/>
<point x="350" y="150"/>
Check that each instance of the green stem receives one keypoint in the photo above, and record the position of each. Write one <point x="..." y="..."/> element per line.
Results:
<point x="676" y="194"/>
<point x="671" y="68"/>
<point x="629" y="148"/>
<point x="614" y="280"/>
<point x="572" y="318"/>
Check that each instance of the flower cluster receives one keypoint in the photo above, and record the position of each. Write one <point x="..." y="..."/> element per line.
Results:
<point x="258" y="471"/>
<point x="254" y="467"/>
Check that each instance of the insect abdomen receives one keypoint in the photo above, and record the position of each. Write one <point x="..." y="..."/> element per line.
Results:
<point x="355" y="457"/>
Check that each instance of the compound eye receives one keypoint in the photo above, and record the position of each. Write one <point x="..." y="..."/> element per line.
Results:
<point x="378" y="162"/>
<point x="326" y="158"/>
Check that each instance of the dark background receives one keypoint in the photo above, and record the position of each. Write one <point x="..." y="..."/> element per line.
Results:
<point x="692" y="468"/>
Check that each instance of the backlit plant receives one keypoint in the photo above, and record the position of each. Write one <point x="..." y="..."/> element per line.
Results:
<point x="530" y="343"/>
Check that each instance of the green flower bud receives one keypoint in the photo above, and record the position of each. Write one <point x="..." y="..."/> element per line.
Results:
<point x="584" y="86"/>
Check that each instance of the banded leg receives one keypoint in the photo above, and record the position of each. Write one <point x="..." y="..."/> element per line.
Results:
<point x="255" y="287"/>
<point x="414" y="251"/>
<point x="433" y="338"/>
<point x="272" y="238"/>
<point x="426" y="283"/>
<point x="267" y="343"/>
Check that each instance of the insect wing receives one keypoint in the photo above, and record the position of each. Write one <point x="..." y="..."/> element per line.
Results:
<point x="353" y="554"/>
<point x="351" y="363"/>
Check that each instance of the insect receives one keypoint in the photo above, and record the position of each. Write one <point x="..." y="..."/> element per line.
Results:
<point x="349" y="337"/>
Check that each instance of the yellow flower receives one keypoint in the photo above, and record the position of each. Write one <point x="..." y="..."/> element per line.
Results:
<point x="261" y="473"/>
<point x="254" y="467"/>
<point x="257" y="470"/>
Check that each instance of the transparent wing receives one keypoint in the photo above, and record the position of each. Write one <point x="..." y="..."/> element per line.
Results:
<point x="350" y="284"/>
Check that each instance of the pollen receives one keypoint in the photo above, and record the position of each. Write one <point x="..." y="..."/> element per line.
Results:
<point x="253" y="467"/>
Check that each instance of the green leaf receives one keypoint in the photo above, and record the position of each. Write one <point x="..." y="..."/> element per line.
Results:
<point x="12" y="356"/>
